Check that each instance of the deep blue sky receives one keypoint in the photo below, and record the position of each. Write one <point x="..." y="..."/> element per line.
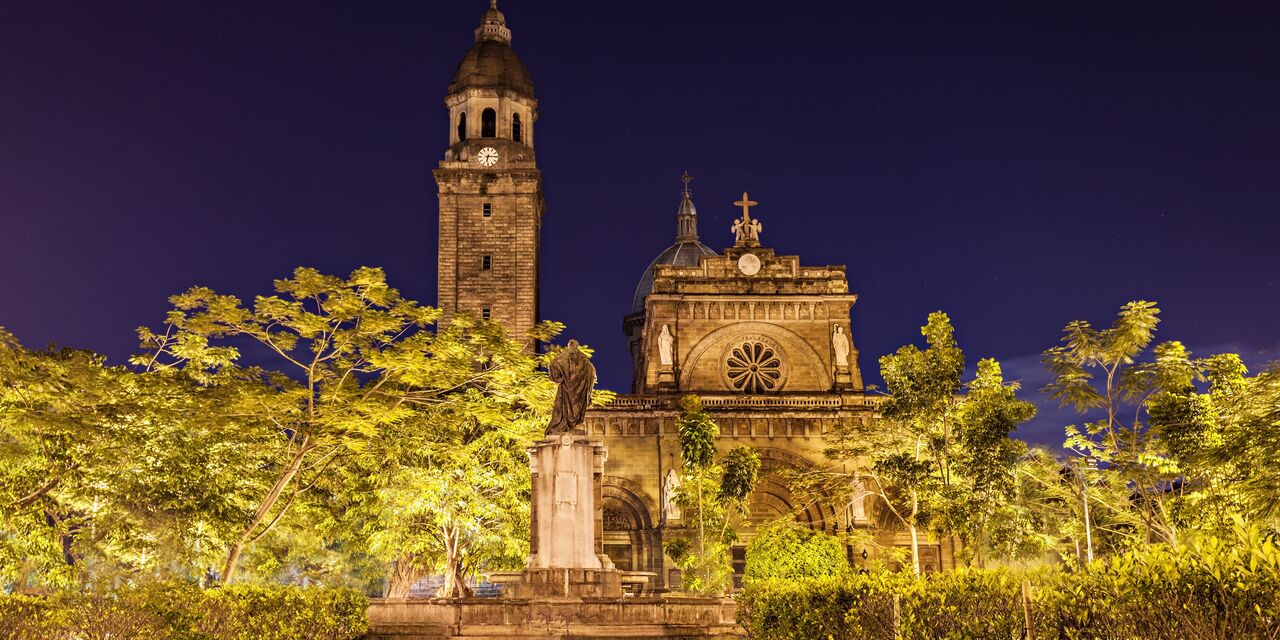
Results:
<point x="1018" y="165"/>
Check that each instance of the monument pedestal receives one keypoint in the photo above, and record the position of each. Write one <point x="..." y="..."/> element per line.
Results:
<point x="567" y="557"/>
<point x="666" y="378"/>
<point x="844" y="378"/>
<point x="569" y="588"/>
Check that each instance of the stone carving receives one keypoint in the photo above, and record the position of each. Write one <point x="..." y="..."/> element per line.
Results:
<point x="670" y="486"/>
<point x="840" y="343"/>
<point x="574" y="376"/>
<point x="665" y="344"/>
<point x="746" y="231"/>
<point x="858" y="506"/>
<point x="615" y="520"/>
<point x="753" y="367"/>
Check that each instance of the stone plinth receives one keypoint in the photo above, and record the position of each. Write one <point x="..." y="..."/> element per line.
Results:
<point x="558" y="619"/>
<point x="566" y="557"/>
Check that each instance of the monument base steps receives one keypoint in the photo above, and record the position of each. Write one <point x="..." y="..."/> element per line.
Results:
<point x="631" y="618"/>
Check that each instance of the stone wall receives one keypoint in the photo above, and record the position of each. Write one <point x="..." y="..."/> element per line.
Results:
<point x="509" y="235"/>
<point x="637" y="618"/>
<point x="640" y="433"/>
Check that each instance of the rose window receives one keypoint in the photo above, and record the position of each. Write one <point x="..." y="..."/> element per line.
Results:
<point x="753" y="367"/>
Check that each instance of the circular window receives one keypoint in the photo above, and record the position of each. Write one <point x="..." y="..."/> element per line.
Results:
<point x="754" y="366"/>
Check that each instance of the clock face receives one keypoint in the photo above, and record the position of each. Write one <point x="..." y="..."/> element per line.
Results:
<point x="488" y="156"/>
<point x="749" y="264"/>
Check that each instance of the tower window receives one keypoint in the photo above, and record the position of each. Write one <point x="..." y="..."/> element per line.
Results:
<point x="515" y="127"/>
<point x="486" y="263"/>
<point x="462" y="126"/>
<point x="486" y="209"/>
<point x="485" y="312"/>
<point x="488" y="124"/>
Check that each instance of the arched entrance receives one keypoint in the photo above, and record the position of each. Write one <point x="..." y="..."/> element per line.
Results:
<point x="630" y="539"/>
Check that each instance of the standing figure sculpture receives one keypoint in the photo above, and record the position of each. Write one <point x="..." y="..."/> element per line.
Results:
<point x="666" y="342"/>
<point x="840" y="344"/>
<point x="574" y="376"/>
<point x="670" y="487"/>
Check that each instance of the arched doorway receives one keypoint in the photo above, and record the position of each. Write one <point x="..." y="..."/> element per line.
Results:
<point x="629" y="538"/>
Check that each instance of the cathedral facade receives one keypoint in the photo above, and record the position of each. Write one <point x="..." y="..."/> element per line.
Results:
<point x="762" y="338"/>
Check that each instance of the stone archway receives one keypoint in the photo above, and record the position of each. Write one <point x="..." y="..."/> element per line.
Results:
<point x="703" y="369"/>
<point x="820" y="514"/>
<point x="630" y="538"/>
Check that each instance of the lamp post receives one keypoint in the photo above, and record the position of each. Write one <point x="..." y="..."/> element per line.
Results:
<point x="1081" y="464"/>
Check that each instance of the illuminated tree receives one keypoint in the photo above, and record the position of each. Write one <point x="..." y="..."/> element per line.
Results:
<point x="712" y="494"/>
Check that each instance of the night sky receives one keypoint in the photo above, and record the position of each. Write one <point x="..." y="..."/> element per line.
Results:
<point x="1017" y="166"/>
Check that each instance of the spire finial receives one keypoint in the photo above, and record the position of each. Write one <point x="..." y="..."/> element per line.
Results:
<point x="687" y="214"/>
<point x="493" y="26"/>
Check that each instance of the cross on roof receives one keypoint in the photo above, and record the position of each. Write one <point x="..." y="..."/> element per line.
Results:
<point x="686" y="179"/>
<point x="746" y="206"/>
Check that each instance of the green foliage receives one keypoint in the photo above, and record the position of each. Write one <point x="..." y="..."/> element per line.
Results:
<point x="786" y="549"/>
<point x="1203" y="586"/>
<point x="741" y="473"/>
<point x="935" y="458"/>
<point x="107" y="471"/>
<point x="179" y="611"/>
<point x="698" y="433"/>
<point x="711" y="494"/>
<point x="1184" y="442"/>
<point x="363" y="437"/>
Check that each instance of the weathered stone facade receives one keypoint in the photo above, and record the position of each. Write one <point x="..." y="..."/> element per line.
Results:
<point x="490" y="189"/>
<point x="766" y="341"/>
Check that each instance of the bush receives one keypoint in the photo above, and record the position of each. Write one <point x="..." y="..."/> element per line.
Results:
<point x="175" y="611"/>
<point x="1205" y="587"/>
<point x="788" y="549"/>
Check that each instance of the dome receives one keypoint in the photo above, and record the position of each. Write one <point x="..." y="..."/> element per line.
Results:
<point x="492" y="62"/>
<point x="686" y="253"/>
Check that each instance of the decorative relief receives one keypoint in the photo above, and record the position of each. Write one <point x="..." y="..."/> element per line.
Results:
<point x="615" y="520"/>
<point x="754" y="364"/>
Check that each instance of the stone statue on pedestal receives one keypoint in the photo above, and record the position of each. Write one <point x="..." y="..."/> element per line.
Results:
<point x="666" y="342"/>
<point x="840" y="344"/>
<point x="670" y="486"/>
<point x="574" y="376"/>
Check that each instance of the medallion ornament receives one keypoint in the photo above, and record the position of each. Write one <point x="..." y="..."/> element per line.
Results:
<point x="754" y="366"/>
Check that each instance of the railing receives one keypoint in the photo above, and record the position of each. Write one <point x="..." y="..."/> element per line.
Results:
<point x="752" y="402"/>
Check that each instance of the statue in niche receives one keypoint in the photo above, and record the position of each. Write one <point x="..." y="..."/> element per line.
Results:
<point x="857" y="506"/>
<point x="670" y="486"/>
<point x="666" y="342"/>
<point x="574" y="376"/>
<point x="840" y="344"/>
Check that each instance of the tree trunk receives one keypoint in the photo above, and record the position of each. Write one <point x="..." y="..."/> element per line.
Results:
<point x="273" y="496"/>
<point x="404" y="574"/>
<point x="915" y="533"/>
<point x="455" y="581"/>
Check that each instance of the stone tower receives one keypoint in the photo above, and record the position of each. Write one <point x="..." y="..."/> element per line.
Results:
<point x="490" y="188"/>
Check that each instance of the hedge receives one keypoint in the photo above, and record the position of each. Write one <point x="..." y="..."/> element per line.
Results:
<point x="172" y="611"/>
<point x="1207" y="588"/>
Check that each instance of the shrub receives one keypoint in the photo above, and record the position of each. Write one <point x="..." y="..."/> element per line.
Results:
<point x="175" y="611"/>
<point x="788" y="549"/>
<point x="1205" y="587"/>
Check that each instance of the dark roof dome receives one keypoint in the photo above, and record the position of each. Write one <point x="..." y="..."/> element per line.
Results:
<point x="492" y="62"/>
<point x="688" y="251"/>
<point x="680" y="254"/>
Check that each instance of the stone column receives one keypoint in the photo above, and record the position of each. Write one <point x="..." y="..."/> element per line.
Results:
<point x="565" y="557"/>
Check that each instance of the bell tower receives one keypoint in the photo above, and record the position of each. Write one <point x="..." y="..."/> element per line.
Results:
<point x="489" y="186"/>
